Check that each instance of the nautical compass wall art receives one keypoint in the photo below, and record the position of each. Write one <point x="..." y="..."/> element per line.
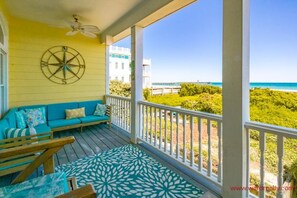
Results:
<point x="62" y="65"/>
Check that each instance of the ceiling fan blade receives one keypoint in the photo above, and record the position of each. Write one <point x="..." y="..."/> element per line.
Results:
<point x="71" y="33"/>
<point x="90" y="28"/>
<point x="88" y="34"/>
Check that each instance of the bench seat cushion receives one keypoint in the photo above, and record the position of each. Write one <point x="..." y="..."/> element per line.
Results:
<point x="63" y="122"/>
<point x="93" y="118"/>
<point x="57" y="111"/>
<point x="50" y="185"/>
<point x="10" y="117"/>
<point x="90" y="106"/>
<point x="42" y="128"/>
<point x="3" y="125"/>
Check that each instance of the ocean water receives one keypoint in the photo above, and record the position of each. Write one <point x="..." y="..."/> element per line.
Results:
<point x="271" y="85"/>
<point x="285" y="86"/>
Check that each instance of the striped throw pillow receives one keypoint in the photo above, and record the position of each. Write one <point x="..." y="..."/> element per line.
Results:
<point x="13" y="133"/>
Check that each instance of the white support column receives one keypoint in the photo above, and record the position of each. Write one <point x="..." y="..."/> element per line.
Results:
<point x="108" y="42"/>
<point x="235" y="94"/>
<point x="136" y="79"/>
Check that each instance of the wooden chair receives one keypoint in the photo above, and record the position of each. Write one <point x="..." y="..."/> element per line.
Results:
<point x="26" y="154"/>
<point x="19" y="161"/>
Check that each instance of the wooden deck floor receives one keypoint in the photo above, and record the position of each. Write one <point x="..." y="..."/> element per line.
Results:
<point x="93" y="139"/>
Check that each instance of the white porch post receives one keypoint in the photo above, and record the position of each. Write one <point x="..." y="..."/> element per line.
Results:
<point x="136" y="79"/>
<point x="108" y="42"/>
<point x="235" y="94"/>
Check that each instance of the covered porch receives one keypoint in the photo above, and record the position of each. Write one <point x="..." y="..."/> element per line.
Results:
<point x="210" y="151"/>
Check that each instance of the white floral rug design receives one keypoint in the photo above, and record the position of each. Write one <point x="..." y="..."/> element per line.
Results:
<point x="128" y="172"/>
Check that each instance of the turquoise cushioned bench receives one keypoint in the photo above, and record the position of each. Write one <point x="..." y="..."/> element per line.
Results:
<point x="55" y="117"/>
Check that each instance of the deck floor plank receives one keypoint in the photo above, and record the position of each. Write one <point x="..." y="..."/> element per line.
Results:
<point x="71" y="154"/>
<point x="80" y="153"/>
<point x="84" y="145"/>
<point x="97" y="140"/>
<point x="108" y="136"/>
<point x="102" y="138"/>
<point x="85" y="135"/>
<point x="114" y="136"/>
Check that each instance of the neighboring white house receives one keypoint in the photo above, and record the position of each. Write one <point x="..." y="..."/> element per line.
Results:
<point x="119" y="66"/>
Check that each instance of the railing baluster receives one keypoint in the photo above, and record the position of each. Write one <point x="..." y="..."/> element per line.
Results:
<point x="165" y="131"/>
<point x="192" y="140"/>
<point x="200" y="144"/>
<point x="155" y="140"/>
<point x="171" y="133"/>
<point x="121" y="113"/>
<point x="160" y="122"/>
<point x="151" y="124"/>
<point x="146" y="128"/>
<point x="177" y="135"/>
<point x="184" y="138"/>
<point x="280" y="154"/>
<point x="140" y="109"/>
<point x="126" y="115"/>
<point x="118" y="112"/>
<point x="142" y="120"/>
<point x="262" y="163"/>
<point x="209" y="162"/>
<point x="248" y="161"/>
<point x="219" y="151"/>
<point x="129" y="116"/>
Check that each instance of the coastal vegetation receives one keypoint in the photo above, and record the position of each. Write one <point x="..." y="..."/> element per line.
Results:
<point x="266" y="106"/>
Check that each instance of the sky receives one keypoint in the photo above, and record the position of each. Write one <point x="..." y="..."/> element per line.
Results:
<point x="186" y="46"/>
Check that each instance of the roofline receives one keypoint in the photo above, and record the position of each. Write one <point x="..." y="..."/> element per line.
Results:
<point x="142" y="15"/>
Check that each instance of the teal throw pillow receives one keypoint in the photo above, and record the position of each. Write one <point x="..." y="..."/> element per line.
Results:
<point x="20" y="119"/>
<point x="100" y="110"/>
<point x="35" y="116"/>
<point x="13" y="133"/>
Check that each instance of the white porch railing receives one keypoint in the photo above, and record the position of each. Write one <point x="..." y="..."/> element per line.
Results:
<point x="121" y="109"/>
<point x="192" y="138"/>
<point x="275" y="135"/>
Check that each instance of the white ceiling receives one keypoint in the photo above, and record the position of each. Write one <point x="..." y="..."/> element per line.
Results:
<point x="102" y="13"/>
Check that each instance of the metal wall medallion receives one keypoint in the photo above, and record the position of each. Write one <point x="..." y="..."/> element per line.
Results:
<point x="62" y="65"/>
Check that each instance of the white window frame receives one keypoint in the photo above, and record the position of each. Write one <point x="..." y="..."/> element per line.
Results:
<point x="4" y="50"/>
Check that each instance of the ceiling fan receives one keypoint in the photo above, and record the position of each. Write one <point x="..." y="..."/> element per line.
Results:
<point x="86" y="30"/>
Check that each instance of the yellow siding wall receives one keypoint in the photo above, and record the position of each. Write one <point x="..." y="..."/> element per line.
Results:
<point x="27" y="84"/>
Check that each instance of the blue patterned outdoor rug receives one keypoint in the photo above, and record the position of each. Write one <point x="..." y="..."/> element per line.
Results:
<point x="128" y="172"/>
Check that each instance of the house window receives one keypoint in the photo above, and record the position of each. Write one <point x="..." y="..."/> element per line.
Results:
<point x="123" y="66"/>
<point x="116" y="78"/>
<point x="3" y="70"/>
<point x="123" y="79"/>
<point x="116" y="65"/>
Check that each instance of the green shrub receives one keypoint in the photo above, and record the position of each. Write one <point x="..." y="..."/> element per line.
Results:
<point x="205" y="102"/>
<point x="192" y="89"/>
<point x="146" y="93"/>
<point x="119" y="88"/>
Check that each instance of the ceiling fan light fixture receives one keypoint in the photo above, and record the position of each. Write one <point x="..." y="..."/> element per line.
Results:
<point x="86" y="30"/>
<point x="72" y="32"/>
